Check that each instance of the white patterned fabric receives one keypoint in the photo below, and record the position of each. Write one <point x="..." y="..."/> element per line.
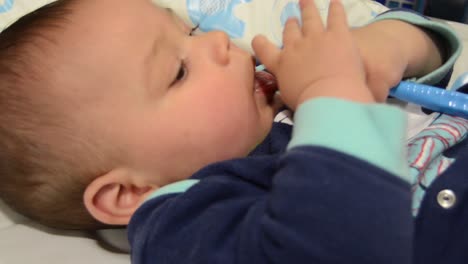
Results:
<point x="12" y="10"/>
<point x="244" y="19"/>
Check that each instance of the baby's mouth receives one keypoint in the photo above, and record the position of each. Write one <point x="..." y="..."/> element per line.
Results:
<point x="266" y="83"/>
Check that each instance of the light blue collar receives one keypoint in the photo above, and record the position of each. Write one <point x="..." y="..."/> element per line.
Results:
<point x="176" y="187"/>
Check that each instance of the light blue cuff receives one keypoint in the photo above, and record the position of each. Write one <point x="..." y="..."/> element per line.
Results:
<point x="372" y="132"/>
<point x="454" y="44"/>
<point x="176" y="187"/>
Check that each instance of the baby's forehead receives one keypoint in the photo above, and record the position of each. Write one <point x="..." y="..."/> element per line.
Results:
<point x="113" y="10"/>
<point x="99" y="49"/>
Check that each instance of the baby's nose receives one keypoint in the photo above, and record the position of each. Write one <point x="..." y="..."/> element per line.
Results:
<point x="221" y="37"/>
<point x="220" y="43"/>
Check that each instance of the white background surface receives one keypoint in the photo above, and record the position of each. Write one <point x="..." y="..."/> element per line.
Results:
<point x="23" y="242"/>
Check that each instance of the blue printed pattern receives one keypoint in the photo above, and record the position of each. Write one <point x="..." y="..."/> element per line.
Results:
<point x="290" y="10"/>
<point x="212" y="15"/>
<point x="425" y="153"/>
<point x="6" y="6"/>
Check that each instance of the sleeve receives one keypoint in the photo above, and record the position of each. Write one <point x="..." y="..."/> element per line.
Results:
<point x="320" y="206"/>
<point x="372" y="132"/>
<point x="450" y="42"/>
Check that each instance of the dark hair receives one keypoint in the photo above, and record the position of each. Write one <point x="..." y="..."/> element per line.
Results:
<point x="41" y="173"/>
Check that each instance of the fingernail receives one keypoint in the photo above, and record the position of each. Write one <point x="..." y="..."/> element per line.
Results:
<point x="302" y="4"/>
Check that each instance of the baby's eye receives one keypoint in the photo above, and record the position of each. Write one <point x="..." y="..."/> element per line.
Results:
<point x="181" y="73"/>
<point x="193" y="30"/>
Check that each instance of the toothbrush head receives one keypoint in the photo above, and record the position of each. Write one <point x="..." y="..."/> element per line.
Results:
<point x="260" y="67"/>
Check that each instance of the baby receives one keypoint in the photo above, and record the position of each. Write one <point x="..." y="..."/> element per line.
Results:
<point x="101" y="110"/>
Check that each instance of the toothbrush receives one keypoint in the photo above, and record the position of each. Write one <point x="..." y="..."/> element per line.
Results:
<point x="430" y="97"/>
<point x="433" y="98"/>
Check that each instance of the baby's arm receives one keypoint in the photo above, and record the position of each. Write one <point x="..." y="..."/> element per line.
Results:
<point x="343" y="215"/>
<point x="320" y="202"/>
<point x="420" y="50"/>
<point x="327" y="64"/>
<point x="402" y="44"/>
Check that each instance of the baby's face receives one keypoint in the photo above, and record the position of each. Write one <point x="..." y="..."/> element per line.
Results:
<point x="170" y="102"/>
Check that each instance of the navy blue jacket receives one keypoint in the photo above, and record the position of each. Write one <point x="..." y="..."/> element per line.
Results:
<point x="310" y="204"/>
<point x="306" y="205"/>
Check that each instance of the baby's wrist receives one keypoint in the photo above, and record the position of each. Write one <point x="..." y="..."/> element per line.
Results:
<point x="346" y="89"/>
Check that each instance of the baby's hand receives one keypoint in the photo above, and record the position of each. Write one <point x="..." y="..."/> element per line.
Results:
<point x="316" y="61"/>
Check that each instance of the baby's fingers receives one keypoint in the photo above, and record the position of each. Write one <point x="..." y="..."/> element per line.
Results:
<point x="292" y="31"/>
<point x="336" y="16"/>
<point x="266" y="52"/>
<point x="311" y="21"/>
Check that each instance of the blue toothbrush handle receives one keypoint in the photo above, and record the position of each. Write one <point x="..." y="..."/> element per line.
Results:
<point x="436" y="99"/>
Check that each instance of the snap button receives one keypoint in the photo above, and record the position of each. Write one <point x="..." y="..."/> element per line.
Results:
<point x="446" y="199"/>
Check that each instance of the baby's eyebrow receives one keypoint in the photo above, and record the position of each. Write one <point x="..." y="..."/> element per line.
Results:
<point x="150" y="59"/>
<point x="178" y="21"/>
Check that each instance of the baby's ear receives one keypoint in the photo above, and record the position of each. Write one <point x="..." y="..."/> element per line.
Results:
<point x="112" y="198"/>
